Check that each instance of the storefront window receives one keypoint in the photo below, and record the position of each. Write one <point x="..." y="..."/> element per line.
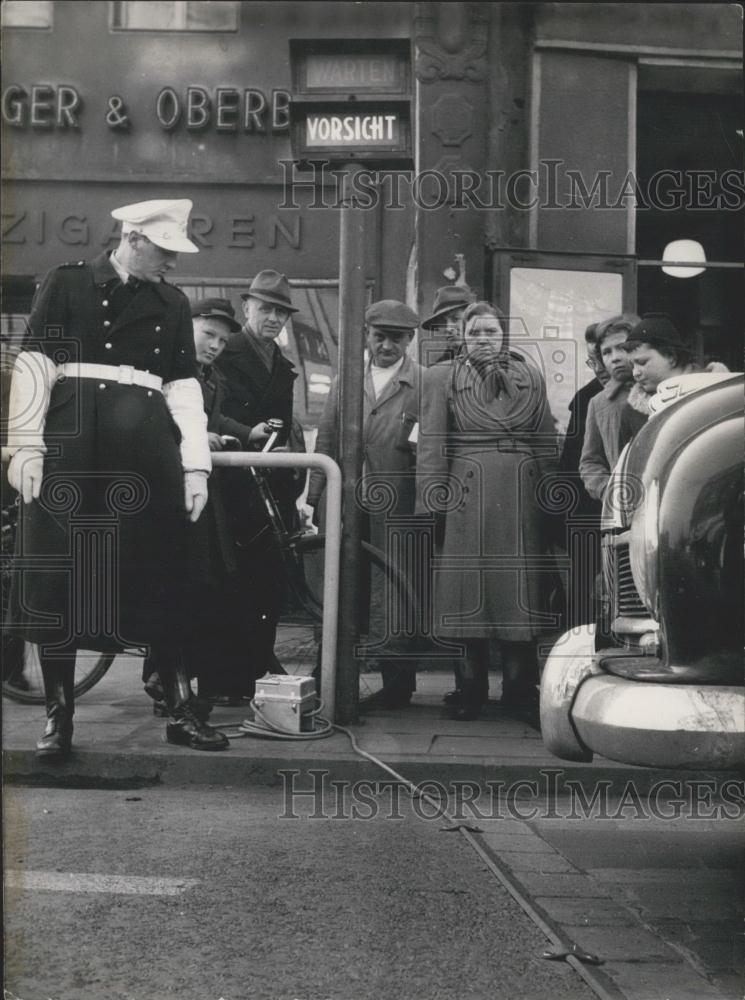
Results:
<point x="550" y="300"/>
<point x="177" y="15"/>
<point x="689" y="150"/>
<point x="26" y="14"/>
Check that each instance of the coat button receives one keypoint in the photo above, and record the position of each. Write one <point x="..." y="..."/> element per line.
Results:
<point x="157" y="329"/>
<point x="149" y="392"/>
<point x="107" y="346"/>
<point x="156" y="351"/>
<point x="101" y="385"/>
<point x="105" y="303"/>
<point x="107" y="322"/>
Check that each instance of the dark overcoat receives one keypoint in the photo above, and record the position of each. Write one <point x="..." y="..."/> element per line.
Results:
<point x="485" y="446"/>
<point x="101" y="555"/>
<point x="252" y="394"/>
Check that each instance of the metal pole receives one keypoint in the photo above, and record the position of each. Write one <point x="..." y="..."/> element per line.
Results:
<point x="353" y="241"/>
<point x="332" y="530"/>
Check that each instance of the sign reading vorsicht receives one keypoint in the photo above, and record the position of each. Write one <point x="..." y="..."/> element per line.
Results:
<point x="352" y="101"/>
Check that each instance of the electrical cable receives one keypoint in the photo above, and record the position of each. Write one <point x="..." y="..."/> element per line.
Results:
<point x="266" y="729"/>
<point x="600" y="984"/>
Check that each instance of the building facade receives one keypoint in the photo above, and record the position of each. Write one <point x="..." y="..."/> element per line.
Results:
<point x="557" y="149"/>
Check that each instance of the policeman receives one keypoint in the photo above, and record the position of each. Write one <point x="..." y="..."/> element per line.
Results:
<point x="391" y="411"/>
<point x="111" y="458"/>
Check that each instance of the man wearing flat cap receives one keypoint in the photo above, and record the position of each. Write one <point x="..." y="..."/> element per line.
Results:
<point x="444" y="325"/>
<point x="111" y="459"/>
<point x="391" y="410"/>
<point x="258" y="381"/>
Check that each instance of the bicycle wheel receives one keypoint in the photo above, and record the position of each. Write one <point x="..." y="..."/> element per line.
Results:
<point x="21" y="669"/>
<point x="298" y="640"/>
<point x="22" y="679"/>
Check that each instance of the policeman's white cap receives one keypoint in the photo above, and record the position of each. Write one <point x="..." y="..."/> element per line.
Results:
<point x="162" y="221"/>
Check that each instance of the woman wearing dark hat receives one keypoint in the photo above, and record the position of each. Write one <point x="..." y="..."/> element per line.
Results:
<point x="485" y="437"/>
<point x="656" y="352"/>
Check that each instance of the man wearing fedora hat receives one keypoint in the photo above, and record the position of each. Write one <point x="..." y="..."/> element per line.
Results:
<point x="391" y="381"/>
<point x="111" y="459"/>
<point x="444" y="325"/>
<point x="258" y="381"/>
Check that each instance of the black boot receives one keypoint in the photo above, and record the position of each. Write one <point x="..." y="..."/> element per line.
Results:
<point x="59" y="693"/>
<point x="154" y="689"/>
<point x="474" y="691"/>
<point x="471" y="702"/>
<point x="520" y="674"/>
<point x="185" y="728"/>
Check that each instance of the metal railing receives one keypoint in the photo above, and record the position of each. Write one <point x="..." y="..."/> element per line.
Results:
<point x="332" y="531"/>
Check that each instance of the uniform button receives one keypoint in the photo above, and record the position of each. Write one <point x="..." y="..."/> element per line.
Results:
<point x="157" y="329"/>
<point x="107" y="322"/>
<point x="105" y="303"/>
<point x="156" y="351"/>
<point x="149" y="392"/>
<point x="101" y="385"/>
<point x="107" y="346"/>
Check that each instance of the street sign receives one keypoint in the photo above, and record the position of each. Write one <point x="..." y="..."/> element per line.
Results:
<point x="351" y="102"/>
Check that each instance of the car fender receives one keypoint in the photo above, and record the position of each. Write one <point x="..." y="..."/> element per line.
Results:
<point x="570" y="662"/>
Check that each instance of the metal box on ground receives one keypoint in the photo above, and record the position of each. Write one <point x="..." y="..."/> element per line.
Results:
<point x="286" y="702"/>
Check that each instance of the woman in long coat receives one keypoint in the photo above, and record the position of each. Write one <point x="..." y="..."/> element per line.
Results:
<point x="486" y="444"/>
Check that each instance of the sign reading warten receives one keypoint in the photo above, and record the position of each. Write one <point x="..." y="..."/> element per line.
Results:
<point x="357" y="130"/>
<point x="354" y="72"/>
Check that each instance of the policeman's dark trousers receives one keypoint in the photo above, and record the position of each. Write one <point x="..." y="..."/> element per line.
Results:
<point x="58" y="673"/>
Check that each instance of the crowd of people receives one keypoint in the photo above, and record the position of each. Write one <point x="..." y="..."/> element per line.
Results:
<point x="122" y="392"/>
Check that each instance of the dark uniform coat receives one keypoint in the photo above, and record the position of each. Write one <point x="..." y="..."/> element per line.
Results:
<point x="484" y="447"/>
<point x="213" y="548"/>
<point x="102" y="553"/>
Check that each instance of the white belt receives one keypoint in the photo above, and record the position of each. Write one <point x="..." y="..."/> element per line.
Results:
<point x="124" y="374"/>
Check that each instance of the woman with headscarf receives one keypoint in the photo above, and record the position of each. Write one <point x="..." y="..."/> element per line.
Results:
<point x="486" y="443"/>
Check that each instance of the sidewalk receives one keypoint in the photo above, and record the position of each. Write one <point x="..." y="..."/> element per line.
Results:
<point x="119" y="743"/>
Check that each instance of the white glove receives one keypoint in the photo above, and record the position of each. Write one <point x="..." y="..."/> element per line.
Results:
<point x="195" y="494"/>
<point x="25" y="473"/>
<point x="34" y="375"/>
<point x="184" y="399"/>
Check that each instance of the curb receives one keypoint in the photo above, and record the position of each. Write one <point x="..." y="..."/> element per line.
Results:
<point x="542" y="781"/>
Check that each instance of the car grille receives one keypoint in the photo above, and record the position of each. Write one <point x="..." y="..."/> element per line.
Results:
<point x="620" y="586"/>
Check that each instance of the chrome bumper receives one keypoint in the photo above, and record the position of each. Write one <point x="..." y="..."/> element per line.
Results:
<point x="585" y="710"/>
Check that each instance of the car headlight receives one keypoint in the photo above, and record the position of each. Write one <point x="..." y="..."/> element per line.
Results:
<point x="645" y="541"/>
